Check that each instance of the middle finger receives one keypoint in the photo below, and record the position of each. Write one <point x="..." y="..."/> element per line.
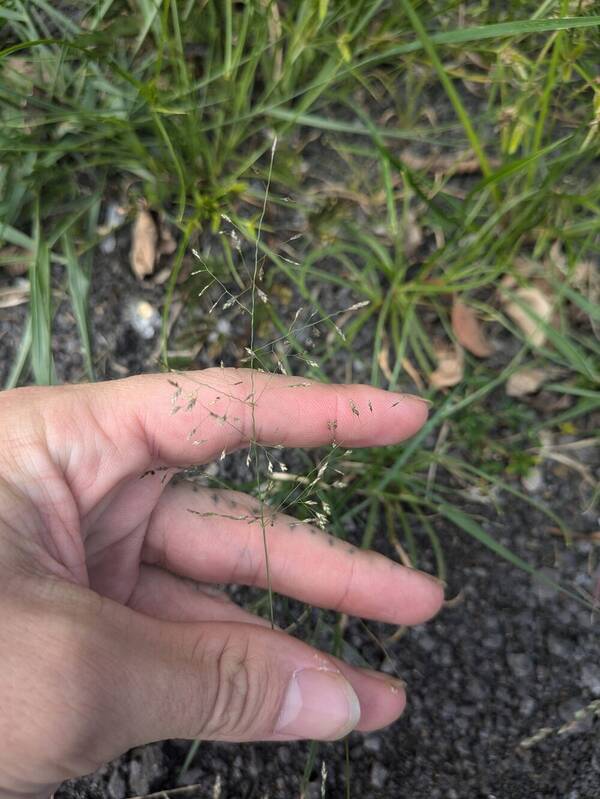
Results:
<point x="219" y="536"/>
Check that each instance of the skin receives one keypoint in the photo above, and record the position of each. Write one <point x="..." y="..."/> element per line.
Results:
<point x="110" y="631"/>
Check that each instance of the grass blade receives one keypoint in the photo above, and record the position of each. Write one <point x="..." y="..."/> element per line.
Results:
<point x="79" y="284"/>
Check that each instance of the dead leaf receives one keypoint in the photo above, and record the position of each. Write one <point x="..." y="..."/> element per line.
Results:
<point x="412" y="373"/>
<point x="586" y="278"/>
<point x="557" y="258"/>
<point x="383" y="360"/>
<point x="11" y="297"/>
<point x="525" y="268"/>
<point x="450" y="367"/>
<point x="143" y="244"/>
<point x="167" y="244"/>
<point x="540" y="305"/>
<point x="468" y="331"/>
<point x="462" y="163"/>
<point x="525" y="381"/>
<point x="161" y="277"/>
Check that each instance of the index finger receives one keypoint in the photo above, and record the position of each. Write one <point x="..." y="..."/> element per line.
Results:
<point x="195" y="417"/>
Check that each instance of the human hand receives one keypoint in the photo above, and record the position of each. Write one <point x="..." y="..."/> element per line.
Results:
<point x="110" y="637"/>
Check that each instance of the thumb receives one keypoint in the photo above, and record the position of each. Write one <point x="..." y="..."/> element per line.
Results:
<point x="102" y="678"/>
<point x="239" y="682"/>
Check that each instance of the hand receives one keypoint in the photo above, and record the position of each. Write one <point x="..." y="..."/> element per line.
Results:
<point x="110" y="636"/>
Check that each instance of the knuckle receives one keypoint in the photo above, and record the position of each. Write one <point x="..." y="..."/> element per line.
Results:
<point x="237" y="692"/>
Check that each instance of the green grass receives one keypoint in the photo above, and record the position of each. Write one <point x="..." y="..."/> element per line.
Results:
<point x="180" y="102"/>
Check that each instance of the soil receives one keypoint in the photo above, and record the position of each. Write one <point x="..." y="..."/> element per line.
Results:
<point x="507" y="658"/>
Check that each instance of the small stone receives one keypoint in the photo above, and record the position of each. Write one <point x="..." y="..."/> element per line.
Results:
<point x="558" y="647"/>
<point x="144" y="771"/>
<point x="138" y="781"/>
<point x="520" y="664"/>
<point x="143" y="318"/>
<point x="533" y="480"/>
<point x="494" y="641"/>
<point x="568" y="710"/>
<point x="113" y="217"/>
<point x="116" y="786"/>
<point x="427" y="642"/>
<point x="527" y="706"/>
<point x="109" y="244"/>
<point x="372" y="743"/>
<point x="590" y="678"/>
<point x="379" y="775"/>
<point x="313" y="790"/>
<point x="542" y="586"/>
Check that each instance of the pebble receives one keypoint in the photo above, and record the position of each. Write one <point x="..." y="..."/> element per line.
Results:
<point x="590" y="678"/>
<point x="146" y="769"/>
<point x="427" y="642"/>
<point x="559" y="647"/>
<point x="379" y="775"/>
<point x="143" y="318"/>
<point x="520" y="664"/>
<point x="372" y="743"/>
<point x="527" y="706"/>
<point x="533" y="481"/>
<point x="541" y="584"/>
<point x="116" y="787"/>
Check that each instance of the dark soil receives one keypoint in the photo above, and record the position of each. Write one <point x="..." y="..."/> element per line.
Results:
<point x="506" y="659"/>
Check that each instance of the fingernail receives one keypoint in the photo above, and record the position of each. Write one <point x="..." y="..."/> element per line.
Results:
<point x="318" y="705"/>
<point x="395" y="683"/>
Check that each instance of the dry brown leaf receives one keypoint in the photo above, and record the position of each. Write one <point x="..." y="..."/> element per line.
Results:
<point x="462" y="163"/>
<point x="412" y="373"/>
<point x="10" y="297"/>
<point x="383" y="359"/>
<point x="586" y="278"/>
<point x="450" y="367"/>
<point x="167" y="244"/>
<point x="468" y="331"/>
<point x="525" y="268"/>
<point x="143" y="244"/>
<point x="540" y="305"/>
<point x="525" y="381"/>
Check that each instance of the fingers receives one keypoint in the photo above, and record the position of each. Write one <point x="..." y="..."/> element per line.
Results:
<point x="96" y="436"/>
<point x="221" y="540"/>
<point x="227" y="681"/>
<point x="103" y="678"/>
<point x="164" y="596"/>
<point x="194" y="417"/>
